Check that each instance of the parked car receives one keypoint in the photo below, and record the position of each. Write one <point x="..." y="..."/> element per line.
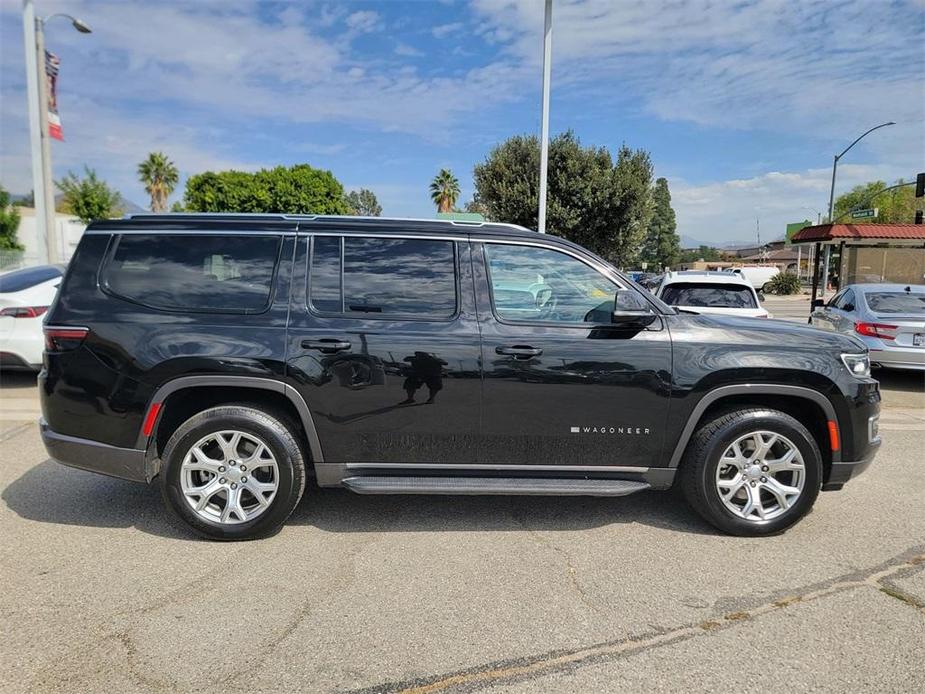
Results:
<point x="757" y="275"/>
<point x="888" y="318"/>
<point x="229" y="357"/>
<point x="711" y="292"/>
<point x="25" y="296"/>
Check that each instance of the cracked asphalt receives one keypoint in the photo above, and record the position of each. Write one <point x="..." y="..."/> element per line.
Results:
<point x="103" y="593"/>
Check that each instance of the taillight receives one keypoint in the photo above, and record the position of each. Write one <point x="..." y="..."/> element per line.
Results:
<point x="62" y="339"/>
<point x="880" y="330"/>
<point x="24" y="311"/>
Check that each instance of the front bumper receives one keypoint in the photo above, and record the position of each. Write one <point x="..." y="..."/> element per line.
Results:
<point x="842" y="471"/>
<point x="125" y="463"/>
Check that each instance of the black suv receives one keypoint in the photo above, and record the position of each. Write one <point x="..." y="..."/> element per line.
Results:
<point x="233" y="356"/>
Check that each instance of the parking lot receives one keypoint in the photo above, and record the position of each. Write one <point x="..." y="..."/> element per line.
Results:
<point x="430" y="594"/>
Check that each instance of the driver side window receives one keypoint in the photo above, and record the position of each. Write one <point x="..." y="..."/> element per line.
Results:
<point x="531" y="284"/>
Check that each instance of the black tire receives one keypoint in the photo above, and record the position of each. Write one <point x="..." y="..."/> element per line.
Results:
<point x="767" y="288"/>
<point x="702" y="458"/>
<point x="271" y="429"/>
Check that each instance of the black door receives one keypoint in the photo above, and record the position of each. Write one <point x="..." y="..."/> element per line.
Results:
<point x="384" y="347"/>
<point x="564" y="386"/>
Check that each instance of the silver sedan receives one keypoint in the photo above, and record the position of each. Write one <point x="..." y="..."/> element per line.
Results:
<point x="889" y="318"/>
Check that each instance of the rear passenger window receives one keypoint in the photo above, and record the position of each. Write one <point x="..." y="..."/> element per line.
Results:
<point x="227" y="274"/>
<point x="415" y="278"/>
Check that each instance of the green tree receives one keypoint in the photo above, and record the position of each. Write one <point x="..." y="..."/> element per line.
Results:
<point x="895" y="206"/>
<point x="9" y="223"/>
<point x="692" y="255"/>
<point x="299" y="189"/>
<point x="364" y="203"/>
<point x="591" y="200"/>
<point x="444" y="190"/>
<point x="662" y="246"/>
<point x="160" y="177"/>
<point x="89" y="197"/>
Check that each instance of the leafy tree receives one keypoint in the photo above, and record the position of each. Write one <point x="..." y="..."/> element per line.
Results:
<point x="591" y="200"/>
<point x="9" y="223"/>
<point x="299" y="189"/>
<point x="444" y="190"/>
<point x="89" y="198"/>
<point x="475" y="206"/>
<point x="895" y="206"/>
<point x="364" y="203"/>
<point x="160" y="177"/>
<point x="177" y="207"/>
<point x="662" y="246"/>
<point x="692" y="255"/>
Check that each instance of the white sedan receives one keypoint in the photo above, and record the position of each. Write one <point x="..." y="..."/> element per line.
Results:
<point x="25" y="296"/>
<point x="711" y="292"/>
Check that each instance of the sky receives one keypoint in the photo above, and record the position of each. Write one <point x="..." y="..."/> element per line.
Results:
<point x="742" y="104"/>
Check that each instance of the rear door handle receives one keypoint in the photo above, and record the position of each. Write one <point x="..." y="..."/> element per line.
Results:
<point x="519" y="351"/>
<point x="326" y="345"/>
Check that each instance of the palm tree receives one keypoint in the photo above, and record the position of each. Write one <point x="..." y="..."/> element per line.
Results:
<point x="444" y="190"/>
<point x="160" y="177"/>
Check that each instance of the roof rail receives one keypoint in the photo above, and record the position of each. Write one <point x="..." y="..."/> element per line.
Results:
<point x="315" y="217"/>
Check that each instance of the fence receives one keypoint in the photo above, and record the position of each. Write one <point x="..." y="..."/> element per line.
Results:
<point x="11" y="260"/>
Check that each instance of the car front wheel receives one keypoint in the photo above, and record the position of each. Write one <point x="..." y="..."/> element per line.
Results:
<point x="233" y="472"/>
<point x="752" y="472"/>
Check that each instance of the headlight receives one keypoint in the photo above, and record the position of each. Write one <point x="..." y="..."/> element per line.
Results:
<point x="857" y="364"/>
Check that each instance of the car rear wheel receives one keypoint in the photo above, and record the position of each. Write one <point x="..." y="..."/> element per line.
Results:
<point x="752" y="472"/>
<point x="233" y="472"/>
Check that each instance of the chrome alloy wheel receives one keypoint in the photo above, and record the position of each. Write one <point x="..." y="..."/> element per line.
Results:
<point x="229" y="477"/>
<point x="760" y="476"/>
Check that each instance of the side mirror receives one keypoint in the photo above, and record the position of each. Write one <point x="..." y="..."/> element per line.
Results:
<point x="761" y="296"/>
<point x="630" y="310"/>
<point x="818" y="303"/>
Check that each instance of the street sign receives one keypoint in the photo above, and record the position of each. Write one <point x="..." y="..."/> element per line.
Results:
<point x="869" y="213"/>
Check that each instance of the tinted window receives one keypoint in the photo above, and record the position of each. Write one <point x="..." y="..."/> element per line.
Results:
<point x="18" y="280"/>
<point x="846" y="302"/>
<point x="708" y="295"/>
<point x="896" y="302"/>
<point x="325" y="274"/>
<point x="232" y="274"/>
<point x="540" y="284"/>
<point x="402" y="277"/>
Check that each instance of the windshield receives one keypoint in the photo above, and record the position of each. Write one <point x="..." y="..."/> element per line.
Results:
<point x="18" y="280"/>
<point x="896" y="302"/>
<point x="709" y="295"/>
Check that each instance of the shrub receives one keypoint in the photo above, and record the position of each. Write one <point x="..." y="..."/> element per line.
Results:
<point x="784" y="283"/>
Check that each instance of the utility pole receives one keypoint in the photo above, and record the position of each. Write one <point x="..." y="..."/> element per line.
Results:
<point x="36" y="132"/>
<point x="544" y="123"/>
<point x="39" y="138"/>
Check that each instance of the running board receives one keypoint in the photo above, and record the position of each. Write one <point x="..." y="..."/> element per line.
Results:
<point x="492" y="485"/>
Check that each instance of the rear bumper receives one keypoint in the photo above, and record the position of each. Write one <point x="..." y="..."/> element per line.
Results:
<point x="125" y="463"/>
<point x="843" y="471"/>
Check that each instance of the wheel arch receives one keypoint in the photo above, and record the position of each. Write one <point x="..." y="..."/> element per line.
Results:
<point x="794" y="400"/>
<point x="221" y="390"/>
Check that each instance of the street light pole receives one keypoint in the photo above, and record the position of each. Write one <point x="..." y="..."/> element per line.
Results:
<point x="828" y="248"/>
<point x="29" y="24"/>
<point x="37" y="92"/>
<point x="53" y="248"/>
<point x="544" y="124"/>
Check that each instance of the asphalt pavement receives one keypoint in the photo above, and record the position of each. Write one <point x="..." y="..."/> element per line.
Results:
<point x="103" y="593"/>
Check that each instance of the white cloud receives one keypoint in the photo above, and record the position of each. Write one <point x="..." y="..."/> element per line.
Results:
<point x="403" y="49"/>
<point x="443" y="30"/>
<point x="724" y="211"/>
<point x="363" y="21"/>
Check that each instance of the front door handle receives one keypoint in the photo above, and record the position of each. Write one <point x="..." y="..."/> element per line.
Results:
<point x="519" y="351"/>
<point x="326" y="345"/>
